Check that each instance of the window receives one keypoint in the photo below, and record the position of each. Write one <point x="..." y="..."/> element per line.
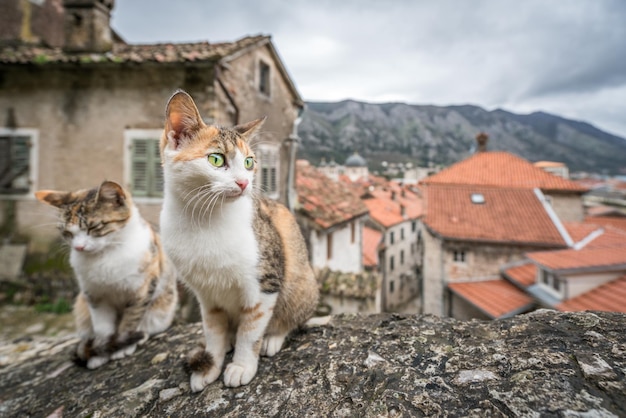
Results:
<point x="402" y="257"/>
<point x="402" y="234"/>
<point x="144" y="172"/>
<point x="459" y="256"/>
<point x="477" y="198"/>
<point x="17" y="160"/>
<point x="264" y="78"/>
<point x="329" y="246"/>
<point x="391" y="263"/>
<point x="268" y="170"/>
<point x="391" y="238"/>
<point x="391" y="286"/>
<point x="413" y="226"/>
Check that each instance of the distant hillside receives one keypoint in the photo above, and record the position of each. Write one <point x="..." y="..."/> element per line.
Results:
<point x="397" y="132"/>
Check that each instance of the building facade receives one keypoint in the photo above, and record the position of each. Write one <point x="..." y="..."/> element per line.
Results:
<point x="87" y="107"/>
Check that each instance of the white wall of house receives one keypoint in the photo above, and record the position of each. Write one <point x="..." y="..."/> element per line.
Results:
<point x="338" y="249"/>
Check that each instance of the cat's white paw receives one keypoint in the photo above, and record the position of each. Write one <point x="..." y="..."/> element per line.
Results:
<point x="97" y="361"/>
<point x="126" y="351"/>
<point x="239" y="374"/>
<point x="272" y="345"/>
<point x="200" y="380"/>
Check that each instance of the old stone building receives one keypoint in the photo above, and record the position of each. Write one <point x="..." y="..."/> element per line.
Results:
<point x="331" y="217"/>
<point x="480" y="214"/>
<point x="79" y="105"/>
<point x="395" y="213"/>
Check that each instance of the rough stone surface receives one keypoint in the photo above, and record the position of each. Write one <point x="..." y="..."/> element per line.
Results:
<point x="544" y="364"/>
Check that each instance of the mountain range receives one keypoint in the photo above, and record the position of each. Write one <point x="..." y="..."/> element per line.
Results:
<point x="442" y="135"/>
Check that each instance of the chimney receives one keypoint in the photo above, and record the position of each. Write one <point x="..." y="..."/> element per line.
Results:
<point x="87" y="25"/>
<point x="403" y="211"/>
<point x="482" y="139"/>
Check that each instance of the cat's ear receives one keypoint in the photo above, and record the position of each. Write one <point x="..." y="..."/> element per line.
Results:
<point x="248" y="130"/>
<point x="54" y="198"/>
<point x="111" y="192"/>
<point x="182" y="119"/>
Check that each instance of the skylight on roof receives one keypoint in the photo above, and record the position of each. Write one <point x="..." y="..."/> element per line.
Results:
<point x="477" y="198"/>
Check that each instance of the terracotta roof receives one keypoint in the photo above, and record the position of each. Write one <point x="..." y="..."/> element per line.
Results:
<point x="609" y="237"/>
<point x="578" y="231"/>
<point x="324" y="201"/>
<point x="496" y="298"/>
<point x="371" y="241"/>
<point x="523" y="275"/>
<point x="386" y="206"/>
<point x="585" y="259"/>
<point x="548" y="164"/>
<point x="609" y="297"/>
<point x="124" y="53"/>
<point x="614" y="221"/>
<point x="502" y="169"/>
<point x="605" y="211"/>
<point x="507" y="215"/>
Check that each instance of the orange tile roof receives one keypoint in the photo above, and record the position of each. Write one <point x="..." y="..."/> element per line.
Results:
<point x="602" y="210"/>
<point x="496" y="298"/>
<point x="502" y="169"/>
<point x="324" y="201"/>
<point x="610" y="297"/>
<point x="157" y="53"/>
<point x="524" y="275"/>
<point x="578" y="231"/>
<point x="385" y="206"/>
<point x="610" y="236"/>
<point x="371" y="241"/>
<point x="507" y="216"/>
<point x="614" y="221"/>
<point x="590" y="258"/>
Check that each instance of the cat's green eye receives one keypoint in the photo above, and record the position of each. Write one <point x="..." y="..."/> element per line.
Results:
<point x="248" y="163"/>
<point x="216" y="160"/>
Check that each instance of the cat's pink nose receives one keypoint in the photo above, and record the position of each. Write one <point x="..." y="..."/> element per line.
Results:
<point x="242" y="184"/>
<point x="79" y="247"/>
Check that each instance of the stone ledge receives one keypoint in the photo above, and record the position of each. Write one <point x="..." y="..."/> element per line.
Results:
<point x="542" y="364"/>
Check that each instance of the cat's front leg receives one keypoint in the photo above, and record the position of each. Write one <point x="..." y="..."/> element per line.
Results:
<point x="82" y="317"/>
<point x="206" y="364"/>
<point x="253" y="321"/>
<point x="103" y="319"/>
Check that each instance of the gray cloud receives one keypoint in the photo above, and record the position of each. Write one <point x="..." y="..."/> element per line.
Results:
<point x="565" y="57"/>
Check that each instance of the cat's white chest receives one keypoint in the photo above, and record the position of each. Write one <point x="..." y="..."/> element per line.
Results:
<point x="220" y="252"/>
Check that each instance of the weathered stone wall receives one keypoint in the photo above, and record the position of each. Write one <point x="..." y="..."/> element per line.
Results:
<point x="81" y="114"/>
<point x="569" y="208"/>
<point x="542" y="364"/>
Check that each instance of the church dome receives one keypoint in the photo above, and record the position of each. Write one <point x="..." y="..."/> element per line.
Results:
<point x="355" y="160"/>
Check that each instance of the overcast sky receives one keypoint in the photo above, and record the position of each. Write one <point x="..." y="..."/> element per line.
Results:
<point x="566" y="57"/>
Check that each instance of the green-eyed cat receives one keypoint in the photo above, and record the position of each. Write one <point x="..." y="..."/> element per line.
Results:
<point x="243" y="256"/>
<point x="127" y="284"/>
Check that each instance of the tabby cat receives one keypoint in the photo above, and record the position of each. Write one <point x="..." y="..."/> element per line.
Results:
<point x="243" y="256"/>
<point x="127" y="285"/>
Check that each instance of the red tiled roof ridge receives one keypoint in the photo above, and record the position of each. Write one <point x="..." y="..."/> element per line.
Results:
<point x="123" y="52"/>
<point x="501" y="169"/>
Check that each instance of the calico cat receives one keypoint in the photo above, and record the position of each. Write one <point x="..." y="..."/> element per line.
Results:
<point x="243" y="256"/>
<point x="127" y="285"/>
